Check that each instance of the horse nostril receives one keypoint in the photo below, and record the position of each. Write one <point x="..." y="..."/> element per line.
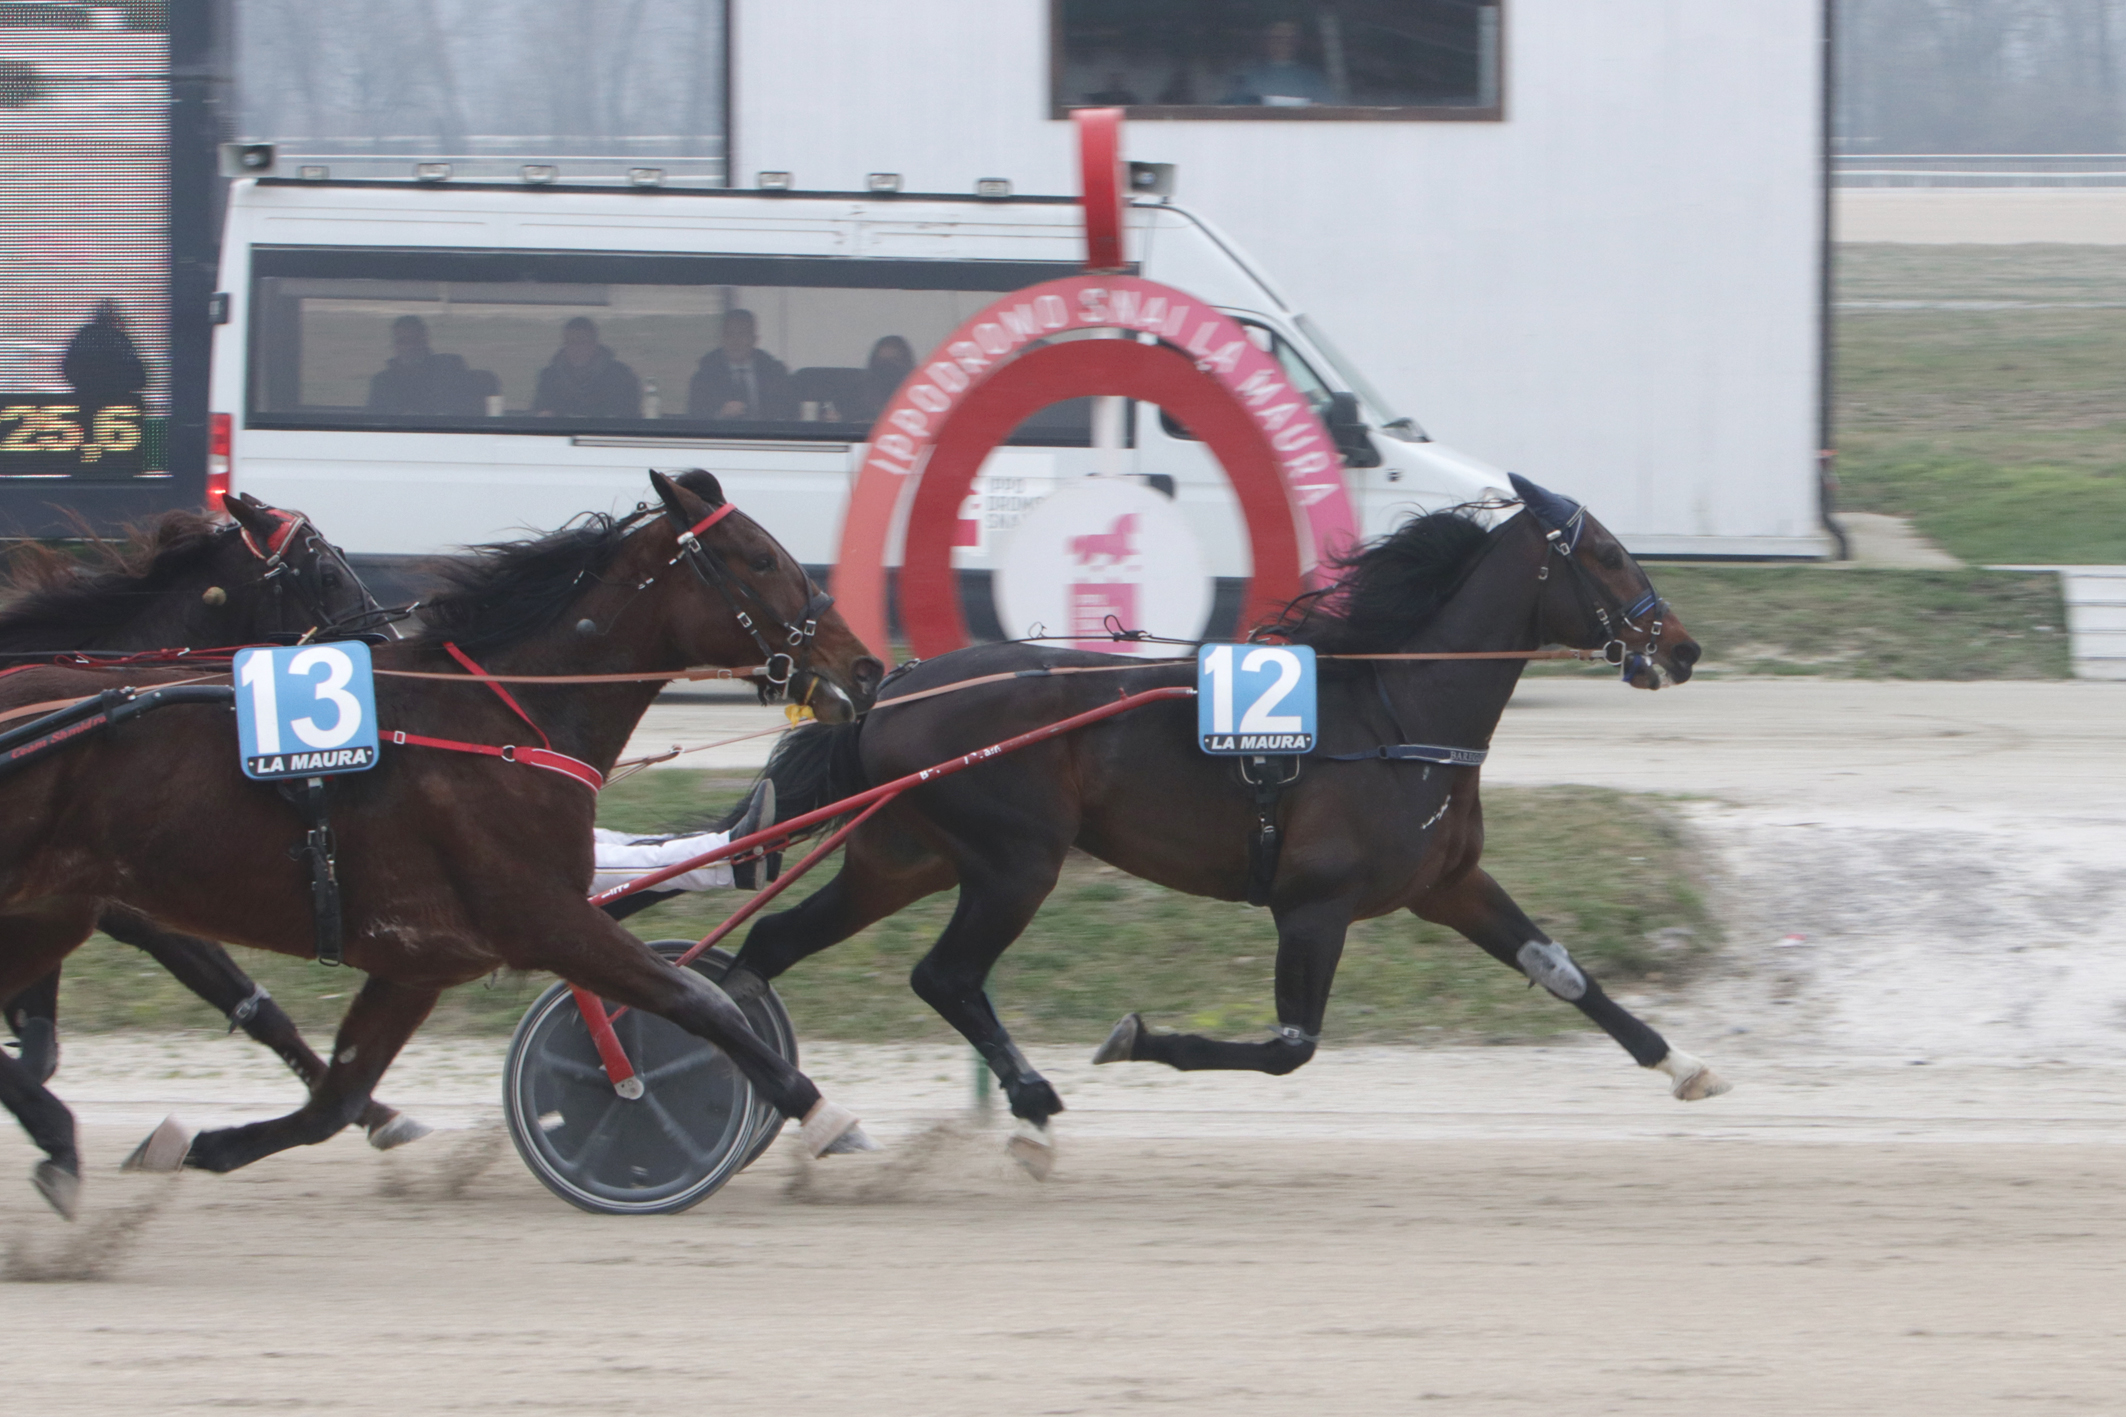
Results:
<point x="1683" y="656"/>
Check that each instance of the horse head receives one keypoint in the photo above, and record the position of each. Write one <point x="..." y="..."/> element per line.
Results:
<point x="1596" y="596"/>
<point x="779" y="616"/>
<point x="283" y="577"/>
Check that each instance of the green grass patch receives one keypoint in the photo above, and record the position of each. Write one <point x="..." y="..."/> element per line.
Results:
<point x="1858" y="622"/>
<point x="1615" y="876"/>
<point x="1994" y="414"/>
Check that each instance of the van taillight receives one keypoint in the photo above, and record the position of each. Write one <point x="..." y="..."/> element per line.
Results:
<point x="218" y="426"/>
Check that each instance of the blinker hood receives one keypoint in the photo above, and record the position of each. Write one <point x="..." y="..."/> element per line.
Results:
<point x="1547" y="507"/>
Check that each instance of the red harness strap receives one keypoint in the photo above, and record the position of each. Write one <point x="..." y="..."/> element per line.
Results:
<point x="536" y="757"/>
<point x="712" y="518"/>
<point x="541" y="757"/>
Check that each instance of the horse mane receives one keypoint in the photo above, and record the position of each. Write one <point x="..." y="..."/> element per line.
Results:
<point x="503" y="593"/>
<point x="62" y="600"/>
<point x="1389" y="588"/>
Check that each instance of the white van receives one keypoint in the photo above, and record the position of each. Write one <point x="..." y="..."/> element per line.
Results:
<point x="426" y="365"/>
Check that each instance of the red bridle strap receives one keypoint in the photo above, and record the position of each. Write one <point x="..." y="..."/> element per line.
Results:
<point x="278" y="542"/>
<point x="710" y="520"/>
<point x="534" y="757"/>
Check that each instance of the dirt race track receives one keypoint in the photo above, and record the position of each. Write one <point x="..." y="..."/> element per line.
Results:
<point x="1912" y="1203"/>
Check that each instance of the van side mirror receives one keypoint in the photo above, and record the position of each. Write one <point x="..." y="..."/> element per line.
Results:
<point x="1349" y="431"/>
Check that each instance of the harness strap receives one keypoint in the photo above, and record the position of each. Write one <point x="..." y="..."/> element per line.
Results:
<point x="546" y="758"/>
<point x="711" y="519"/>
<point x="482" y="675"/>
<point x="1415" y="753"/>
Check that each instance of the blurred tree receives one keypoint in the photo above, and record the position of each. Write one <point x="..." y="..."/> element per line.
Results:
<point x="1979" y="76"/>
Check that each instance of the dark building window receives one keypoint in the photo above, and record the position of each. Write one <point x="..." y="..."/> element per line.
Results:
<point x="1262" y="59"/>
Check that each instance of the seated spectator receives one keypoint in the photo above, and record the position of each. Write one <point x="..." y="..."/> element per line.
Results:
<point x="585" y="381"/>
<point x="1281" y="80"/>
<point x="417" y="380"/>
<point x="890" y="364"/>
<point x="737" y="379"/>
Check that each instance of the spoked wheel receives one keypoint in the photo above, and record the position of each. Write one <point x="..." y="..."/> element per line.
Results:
<point x="697" y="1124"/>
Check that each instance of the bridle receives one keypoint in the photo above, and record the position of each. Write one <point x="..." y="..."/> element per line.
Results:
<point x="293" y="531"/>
<point x="779" y="666"/>
<point x="1565" y="541"/>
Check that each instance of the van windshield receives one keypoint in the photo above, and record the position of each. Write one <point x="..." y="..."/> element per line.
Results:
<point x="554" y="343"/>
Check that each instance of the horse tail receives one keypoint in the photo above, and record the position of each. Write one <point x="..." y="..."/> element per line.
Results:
<point x="814" y="766"/>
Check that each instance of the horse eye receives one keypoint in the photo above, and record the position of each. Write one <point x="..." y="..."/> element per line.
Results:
<point x="764" y="563"/>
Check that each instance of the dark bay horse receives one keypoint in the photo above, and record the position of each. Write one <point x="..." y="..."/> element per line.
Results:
<point x="1362" y="837"/>
<point x="186" y="582"/>
<point x="452" y="863"/>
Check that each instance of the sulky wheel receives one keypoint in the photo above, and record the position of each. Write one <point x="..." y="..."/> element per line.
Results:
<point x="697" y="1124"/>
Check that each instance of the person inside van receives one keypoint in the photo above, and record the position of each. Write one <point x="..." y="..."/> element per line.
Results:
<point x="738" y="379"/>
<point x="585" y="381"/>
<point x="892" y="361"/>
<point x="1281" y="80"/>
<point x="418" y="380"/>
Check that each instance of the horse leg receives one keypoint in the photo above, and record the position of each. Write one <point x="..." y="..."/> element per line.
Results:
<point x="383" y="1016"/>
<point x="34" y="1016"/>
<point x="33" y="944"/>
<point x="859" y="894"/>
<point x="207" y="970"/>
<point x="1310" y="943"/>
<point x="613" y="964"/>
<point x="996" y="903"/>
<point x="1478" y="907"/>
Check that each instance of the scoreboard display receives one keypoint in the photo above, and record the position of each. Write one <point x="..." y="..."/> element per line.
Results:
<point x="43" y="438"/>
<point x="85" y="96"/>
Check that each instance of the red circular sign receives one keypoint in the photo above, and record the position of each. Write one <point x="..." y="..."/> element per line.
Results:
<point x="971" y="392"/>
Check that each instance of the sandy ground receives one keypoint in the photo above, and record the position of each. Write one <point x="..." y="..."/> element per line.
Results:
<point x="1991" y="216"/>
<point x="1911" y="1203"/>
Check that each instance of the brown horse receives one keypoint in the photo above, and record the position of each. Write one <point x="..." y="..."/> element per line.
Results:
<point x="1383" y="817"/>
<point x="184" y="581"/>
<point x="451" y="864"/>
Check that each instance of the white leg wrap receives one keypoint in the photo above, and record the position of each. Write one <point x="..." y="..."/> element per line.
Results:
<point x="1550" y="966"/>
<point x="1691" y="1079"/>
<point x="831" y="1129"/>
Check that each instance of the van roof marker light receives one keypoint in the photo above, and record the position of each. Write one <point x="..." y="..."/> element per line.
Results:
<point x="431" y="172"/>
<point x="538" y="174"/>
<point x="773" y="181"/>
<point x="992" y="187"/>
<point x="882" y="181"/>
<point x="645" y="177"/>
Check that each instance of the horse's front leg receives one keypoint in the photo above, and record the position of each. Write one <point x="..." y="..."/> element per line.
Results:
<point x="1478" y="907"/>
<point x="381" y="1019"/>
<point x="1310" y="943"/>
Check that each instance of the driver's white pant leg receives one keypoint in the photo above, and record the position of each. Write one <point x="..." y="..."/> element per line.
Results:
<point x="622" y="858"/>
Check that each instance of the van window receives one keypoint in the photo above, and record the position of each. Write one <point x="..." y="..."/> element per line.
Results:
<point x="552" y="343"/>
<point x="1305" y="381"/>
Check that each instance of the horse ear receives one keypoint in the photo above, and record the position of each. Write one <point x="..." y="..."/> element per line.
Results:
<point x="689" y="501"/>
<point x="252" y="515"/>
<point x="1547" y="507"/>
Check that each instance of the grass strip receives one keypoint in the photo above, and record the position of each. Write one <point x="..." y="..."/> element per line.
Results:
<point x="1613" y="875"/>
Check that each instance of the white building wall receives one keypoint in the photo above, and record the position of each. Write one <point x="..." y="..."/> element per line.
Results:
<point x="1613" y="291"/>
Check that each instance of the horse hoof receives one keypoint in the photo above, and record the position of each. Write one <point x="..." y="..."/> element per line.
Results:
<point x="832" y="1130"/>
<point x="60" y="1187"/>
<point x="1033" y="1148"/>
<point x="164" y="1150"/>
<point x="1121" y="1045"/>
<point x="1691" y="1079"/>
<point x="854" y="1140"/>
<point x="400" y="1130"/>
